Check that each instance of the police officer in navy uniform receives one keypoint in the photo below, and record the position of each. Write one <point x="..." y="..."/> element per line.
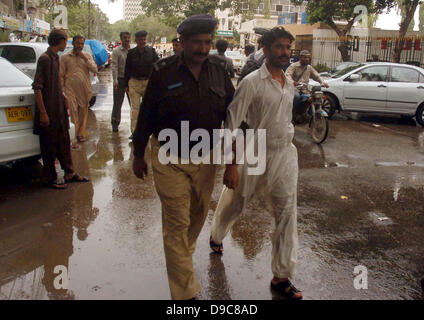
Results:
<point x="195" y="87"/>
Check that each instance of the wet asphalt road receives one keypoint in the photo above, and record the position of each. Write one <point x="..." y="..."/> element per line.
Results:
<point x="107" y="233"/>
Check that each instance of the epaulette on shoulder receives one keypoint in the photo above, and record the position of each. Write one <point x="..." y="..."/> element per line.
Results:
<point x="162" y="63"/>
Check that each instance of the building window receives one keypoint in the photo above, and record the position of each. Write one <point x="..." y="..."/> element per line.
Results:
<point x="230" y="24"/>
<point x="279" y="8"/>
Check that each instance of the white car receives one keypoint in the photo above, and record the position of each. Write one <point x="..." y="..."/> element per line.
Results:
<point x="17" y="107"/>
<point x="24" y="55"/>
<point x="377" y="87"/>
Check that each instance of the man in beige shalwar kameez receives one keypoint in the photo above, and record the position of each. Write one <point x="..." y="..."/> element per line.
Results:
<point x="75" y="67"/>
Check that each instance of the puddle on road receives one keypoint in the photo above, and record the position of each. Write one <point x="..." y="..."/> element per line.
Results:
<point x="380" y="219"/>
<point x="111" y="238"/>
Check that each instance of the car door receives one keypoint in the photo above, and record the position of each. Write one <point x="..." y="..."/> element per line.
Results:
<point x="369" y="92"/>
<point x="23" y="57"/>
<point x="404" y="90"/>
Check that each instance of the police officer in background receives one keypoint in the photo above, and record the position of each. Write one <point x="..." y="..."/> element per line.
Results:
<point x="176" y="46"/>
<point x="138" y="67"/>
<point x="192" y="86"/>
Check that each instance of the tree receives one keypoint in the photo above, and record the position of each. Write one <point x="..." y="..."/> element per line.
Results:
<point x="408" y="8"/>
<point x="172" y="12"/>
<point x="154" y="27"/>
<point x="115" y="29"/>
<point x="403" y="11"/>
<point x="78" y="19"/>
<point x="49" y="4"/>
<point x="328" y="11"/>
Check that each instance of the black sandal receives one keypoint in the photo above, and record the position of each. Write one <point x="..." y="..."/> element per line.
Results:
<point x="217" y="248"/>
<point x="287" y="289"/>
<point x="77" y="178"/>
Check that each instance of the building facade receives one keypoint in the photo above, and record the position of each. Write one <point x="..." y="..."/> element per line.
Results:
<point x="268" y="14"/>
<point x="132" y="9"/>
<point x="26" y="19"/>
<point x="273" y="8"/>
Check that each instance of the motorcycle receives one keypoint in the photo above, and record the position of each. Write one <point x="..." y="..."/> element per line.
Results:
<point x="311" y="111"/>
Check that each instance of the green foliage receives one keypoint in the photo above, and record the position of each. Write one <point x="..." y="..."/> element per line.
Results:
<point x="116" y="28"/>
<point x="172" y="12"/>
<point x="327" y="10"/>
<point x="156" y="29"/>
<point x="236" y="37"/>
<point x="78" y="21"/>
<point x="404" y="7"/>
<point x="4" y="36"/>
<point x="267" y="9"/>
<point x="321" y="68"/>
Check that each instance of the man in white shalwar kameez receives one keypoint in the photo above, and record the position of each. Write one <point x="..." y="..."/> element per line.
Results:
<point x="264" y="100"/>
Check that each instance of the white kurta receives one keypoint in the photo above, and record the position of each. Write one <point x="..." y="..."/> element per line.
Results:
<point x="262" y="103"/>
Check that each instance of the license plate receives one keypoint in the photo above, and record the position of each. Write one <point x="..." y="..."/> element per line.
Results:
<point x="18" y="114"/>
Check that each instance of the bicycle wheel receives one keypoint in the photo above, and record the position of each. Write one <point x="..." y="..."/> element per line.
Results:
<point x="319" y="128"/>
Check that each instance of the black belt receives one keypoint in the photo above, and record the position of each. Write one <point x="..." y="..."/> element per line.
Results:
<point x="141" y="78"/>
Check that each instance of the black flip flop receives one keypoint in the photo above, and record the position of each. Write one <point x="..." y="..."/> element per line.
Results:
<point x="77" y="178"/>
<point x="213" y="245"/>
<point x="287" y="289"/>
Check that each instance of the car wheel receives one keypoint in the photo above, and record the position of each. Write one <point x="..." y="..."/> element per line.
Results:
<point x="420" y="115"/>
<point x="330" y="106"/>
<point x="92" y="101"/>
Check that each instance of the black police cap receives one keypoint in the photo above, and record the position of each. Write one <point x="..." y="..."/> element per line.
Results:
<point x="197" y="24"/>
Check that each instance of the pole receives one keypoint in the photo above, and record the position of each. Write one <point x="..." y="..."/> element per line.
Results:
<point x="89" y="20"/>
<point x="51" y="15"/>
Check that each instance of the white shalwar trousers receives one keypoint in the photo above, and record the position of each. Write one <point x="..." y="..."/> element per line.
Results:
<point x="280" y="182"/>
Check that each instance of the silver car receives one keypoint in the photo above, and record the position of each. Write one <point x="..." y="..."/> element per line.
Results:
<point x="377" y="87"/>
<point x="24" y="55"/>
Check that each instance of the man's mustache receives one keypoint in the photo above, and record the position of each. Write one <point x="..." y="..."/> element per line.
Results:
<point x="283" y="56"/>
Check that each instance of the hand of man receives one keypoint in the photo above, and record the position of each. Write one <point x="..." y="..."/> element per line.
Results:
<point x="44" y="120"/>
<point x="140" y="167"/>
<point x="295" y="83"/>
<point x="83" y="56"/>
<point x="231" y="177"/>
<point x="326" y="85"/>
<point x="115" y="86"/>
